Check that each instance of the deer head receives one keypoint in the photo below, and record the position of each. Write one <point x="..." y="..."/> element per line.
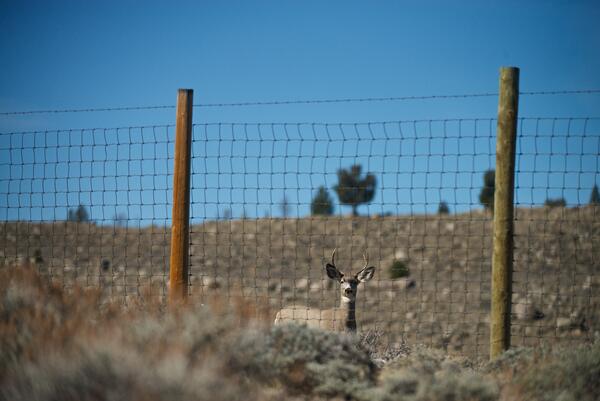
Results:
<point x="349" y="285"/>
<point x="337" y="319"/>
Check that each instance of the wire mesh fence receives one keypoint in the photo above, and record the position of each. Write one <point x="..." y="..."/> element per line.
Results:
<point x="92" y="207"/>
<point x="253" y="186"/>
<point x="556" y="279"/>
<point x="89" y="206"/>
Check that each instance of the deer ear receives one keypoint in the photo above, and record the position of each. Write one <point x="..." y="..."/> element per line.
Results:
<point x="333" y="273"/>
<point x="366" y="274"/>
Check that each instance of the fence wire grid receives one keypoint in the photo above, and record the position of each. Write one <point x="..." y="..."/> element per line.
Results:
<point x="92" y="207"/>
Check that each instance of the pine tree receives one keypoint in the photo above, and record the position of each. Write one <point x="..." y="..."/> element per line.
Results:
<point x="595" y="196"/>
<point x="285" y="207"/>
<point x="79" y="215"/>
<point x="443" y="208"/>
<point x="354" y="190"/>
<point x="486" y="196"/>
<point x="321" y="203"/>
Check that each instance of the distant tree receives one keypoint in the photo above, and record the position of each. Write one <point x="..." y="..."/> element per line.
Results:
<point x="285" y="207"/>
<point x="79" y="215"/>
<point x="321" y="203"/>
<point x="352" y="189"/>
<point x="226" y="215"/>
<point x="120" y="219"/>
<point x="595" y="196"/>
<point x="443" y="208"/>
<point x="558" y="202"/>
<point x="486" y="196"/>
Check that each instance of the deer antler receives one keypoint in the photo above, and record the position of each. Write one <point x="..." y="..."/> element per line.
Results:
<point x="366" y="258"/>
<point x="333" y="256"/>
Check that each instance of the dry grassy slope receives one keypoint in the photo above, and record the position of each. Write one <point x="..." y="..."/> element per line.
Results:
<point x="556" y="280"/>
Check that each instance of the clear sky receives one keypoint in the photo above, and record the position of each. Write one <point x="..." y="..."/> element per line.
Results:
<point x="73" y="54"/>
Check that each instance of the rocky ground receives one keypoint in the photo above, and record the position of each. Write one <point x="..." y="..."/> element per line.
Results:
<point x="444" y="302"/>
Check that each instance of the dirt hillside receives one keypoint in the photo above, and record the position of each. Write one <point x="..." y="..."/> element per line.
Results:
<point x="444" y="301"/>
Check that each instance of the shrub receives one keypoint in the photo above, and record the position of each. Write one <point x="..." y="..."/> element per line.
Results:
<point x="380" y="351"/>
<point x="544" y="374"/>
<point x="512" y="360"/>
<point x="113" y="372"/>
<point x="398" y="269"/>
<point x="305" y="360"/>
<point x="34" y="314"/>
<point x="446" y="384"/>
<point x="569" y="374"/>
<point x="431" y="375"/>
<point x="65" y="346"/>
<point x="558" y="202"/>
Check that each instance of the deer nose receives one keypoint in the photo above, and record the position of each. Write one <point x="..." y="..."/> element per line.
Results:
<point x="348" y="291"/>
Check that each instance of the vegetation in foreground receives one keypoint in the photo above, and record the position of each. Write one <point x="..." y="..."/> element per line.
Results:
<point x="70" y="346"/>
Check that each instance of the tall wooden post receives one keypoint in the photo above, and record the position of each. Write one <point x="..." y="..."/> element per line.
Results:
<point x="502" y="259"/>
<point x="179" y="261"/>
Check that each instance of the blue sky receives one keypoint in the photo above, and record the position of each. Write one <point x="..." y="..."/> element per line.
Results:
<point x="63" y="54"/>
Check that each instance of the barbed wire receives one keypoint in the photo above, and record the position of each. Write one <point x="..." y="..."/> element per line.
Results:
<point x="86" y="110"/>
<point x="346" y="100"/>
<point x="298" y="101"/>
<point x="565" y="92"/>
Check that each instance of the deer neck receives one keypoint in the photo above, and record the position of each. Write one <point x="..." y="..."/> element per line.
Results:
<point x="348" y="308"/>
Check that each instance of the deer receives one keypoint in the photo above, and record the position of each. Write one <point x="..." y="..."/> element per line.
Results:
<point x="342" y="318"/>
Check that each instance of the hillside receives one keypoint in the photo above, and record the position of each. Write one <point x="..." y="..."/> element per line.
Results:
<point x="275" y="262"/>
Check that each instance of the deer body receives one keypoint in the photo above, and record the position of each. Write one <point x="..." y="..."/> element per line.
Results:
<point x="342" y="318"/>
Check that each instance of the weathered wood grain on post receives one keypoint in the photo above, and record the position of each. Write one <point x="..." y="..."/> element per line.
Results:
<point x="179" y="260"/>
<point x="502" y="259"/>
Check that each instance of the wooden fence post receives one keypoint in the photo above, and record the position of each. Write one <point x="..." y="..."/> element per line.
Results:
<point x="179" y="260"/>
<point x="502" y="259"/>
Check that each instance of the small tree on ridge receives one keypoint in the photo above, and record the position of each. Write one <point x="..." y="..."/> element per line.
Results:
<point x="595" y="196"/>
<point x="352" y="189"/>
<point x="285" y="207"/>
<point x="321" y="203"/>
<point x="79" y="215"/>
<point x="486" y="196"/>
<point x="558" y="202"/>
<point x="443" y="208"/>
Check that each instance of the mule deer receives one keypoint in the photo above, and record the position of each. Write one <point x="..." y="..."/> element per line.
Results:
<point x="342" y="318"/>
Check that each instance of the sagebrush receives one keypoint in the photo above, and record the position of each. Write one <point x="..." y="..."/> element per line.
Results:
<point x="59" y="344"/>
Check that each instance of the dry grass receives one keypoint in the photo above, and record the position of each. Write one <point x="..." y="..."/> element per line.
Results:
<point x="73" y="345"/>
